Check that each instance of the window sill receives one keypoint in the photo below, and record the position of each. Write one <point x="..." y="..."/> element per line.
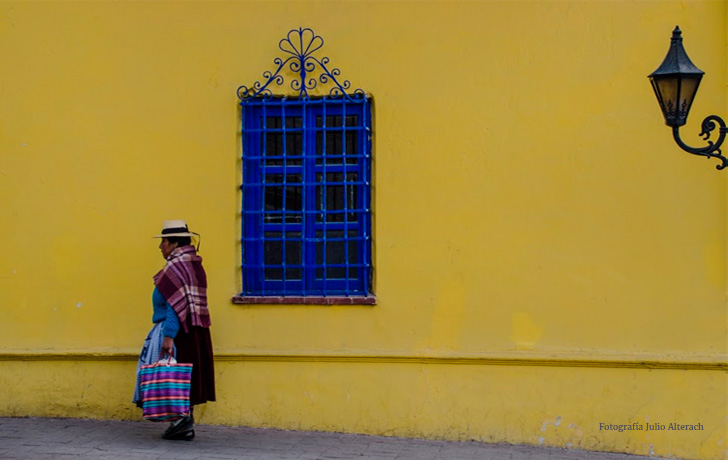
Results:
<point x="284" y="300"/>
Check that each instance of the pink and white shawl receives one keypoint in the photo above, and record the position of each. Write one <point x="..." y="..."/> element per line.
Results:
<point x="183" y="283"/>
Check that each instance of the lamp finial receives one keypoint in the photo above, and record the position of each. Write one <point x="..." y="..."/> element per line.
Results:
<point x="677" y="34"/>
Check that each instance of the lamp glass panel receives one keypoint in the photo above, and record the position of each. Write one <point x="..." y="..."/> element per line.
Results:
<point x="667" y="87"/>
<point x="689" y="87"/>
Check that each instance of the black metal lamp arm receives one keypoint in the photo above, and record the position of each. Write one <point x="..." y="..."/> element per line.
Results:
<point x="712" y="150"/>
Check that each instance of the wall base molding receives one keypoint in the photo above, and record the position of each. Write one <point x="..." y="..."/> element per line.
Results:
<point x="595" y="360"/>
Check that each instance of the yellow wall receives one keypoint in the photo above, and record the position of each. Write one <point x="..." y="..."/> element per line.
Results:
<point x="542" y="247"/>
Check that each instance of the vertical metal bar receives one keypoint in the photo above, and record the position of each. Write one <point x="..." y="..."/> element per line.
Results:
<point x="261" y="190"/>
<point x="243" y="216"/>
<point x="285" y="189"/>
<point x="346" y="201"/>
<point x="367" y="202"/>
<point x="324" y="197"/>
<point x="303" y="94"/>
<point x="360" y="191"/>
<point x="307" y="226"/>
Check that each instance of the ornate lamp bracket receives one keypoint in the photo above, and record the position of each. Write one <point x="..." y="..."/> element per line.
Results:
<point x="675" y="83"/>
<point x="712" y="150"/>
<point x="300" y="45"/>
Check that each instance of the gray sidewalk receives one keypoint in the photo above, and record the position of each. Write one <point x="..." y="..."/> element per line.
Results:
<point x="47" y="438"/>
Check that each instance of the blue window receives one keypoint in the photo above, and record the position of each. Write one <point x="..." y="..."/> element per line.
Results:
<point x="306" y="217"/>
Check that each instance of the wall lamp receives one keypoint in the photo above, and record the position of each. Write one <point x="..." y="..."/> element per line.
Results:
<point x="675" y="83"/>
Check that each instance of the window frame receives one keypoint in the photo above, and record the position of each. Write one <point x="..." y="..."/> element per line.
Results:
<point x="311" y="288"/>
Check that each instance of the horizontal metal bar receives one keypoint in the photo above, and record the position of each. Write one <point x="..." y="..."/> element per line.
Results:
<point x="303" y="184"/>
<point x="297" y="227"/>
<point x="291" y="102"/>
<point x="292" y="213"/>
<point x="319" y="169"/>
<point x="296" y="212"/>
<point x="307" y="129"/>
<point x="316" y="266"/>
<point x="308" y="240"/>
<point x="303" y="157"/>
<point x="329" y="225"/>
<point x="292" y="170"/>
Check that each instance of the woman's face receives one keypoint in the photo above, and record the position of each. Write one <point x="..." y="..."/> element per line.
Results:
<point x="166" y="247"/>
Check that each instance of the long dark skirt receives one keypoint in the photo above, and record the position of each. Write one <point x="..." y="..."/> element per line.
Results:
<point x="195" y="346"/>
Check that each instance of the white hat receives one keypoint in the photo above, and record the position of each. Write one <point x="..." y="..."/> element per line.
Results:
<point x="175" y="228"/>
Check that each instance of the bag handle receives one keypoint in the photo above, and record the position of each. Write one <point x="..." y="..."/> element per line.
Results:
<point x="167" y="362"/>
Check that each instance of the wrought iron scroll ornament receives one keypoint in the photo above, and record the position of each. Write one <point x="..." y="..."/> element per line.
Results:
<point x="712" y="150"/>
<point x="301" y="44"/>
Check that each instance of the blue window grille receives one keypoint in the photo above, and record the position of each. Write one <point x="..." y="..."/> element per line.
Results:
<point x="306" y="191"/>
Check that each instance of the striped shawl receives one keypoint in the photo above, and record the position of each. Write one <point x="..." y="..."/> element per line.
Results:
<point x="183" y="283"/>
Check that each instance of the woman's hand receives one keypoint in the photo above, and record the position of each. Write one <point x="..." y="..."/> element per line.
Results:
<point x="167" y="347"/>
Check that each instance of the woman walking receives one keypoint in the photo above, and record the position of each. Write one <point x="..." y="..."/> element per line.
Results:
<point x="181" y="321"/>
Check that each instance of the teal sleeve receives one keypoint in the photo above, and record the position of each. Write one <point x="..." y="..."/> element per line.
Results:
<point x="171" y="322"/>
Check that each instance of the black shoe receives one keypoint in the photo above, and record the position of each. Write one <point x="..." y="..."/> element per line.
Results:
<point x="184" y="426"/>
<point x="186" y="436"/>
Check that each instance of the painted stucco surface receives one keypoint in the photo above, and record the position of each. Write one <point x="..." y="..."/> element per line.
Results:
<point x="546" y="259"/>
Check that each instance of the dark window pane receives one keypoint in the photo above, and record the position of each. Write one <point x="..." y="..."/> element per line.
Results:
<point x="334" y="197"/>
<point x="273" y="255"/>
<point x="274" y="146"/>
<point x="335" y="253"/>
<point x="283" y="200"/>
<point x="338" y="141"/>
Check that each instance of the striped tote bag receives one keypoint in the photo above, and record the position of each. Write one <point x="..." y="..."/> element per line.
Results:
<point x="165" y="389"/>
